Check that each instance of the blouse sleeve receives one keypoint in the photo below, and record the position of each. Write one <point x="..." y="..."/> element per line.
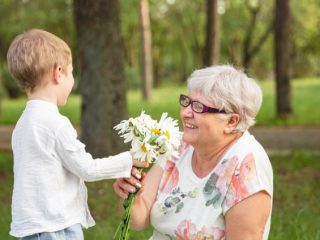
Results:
<point x="75" y="158"/>
<point x="248" y="178"/>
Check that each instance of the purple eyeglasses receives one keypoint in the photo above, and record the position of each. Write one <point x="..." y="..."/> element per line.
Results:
<point x="196" y="106"/>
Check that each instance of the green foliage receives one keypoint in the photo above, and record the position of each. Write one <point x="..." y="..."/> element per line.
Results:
<point x="296" y="207"/>
<point x="54" y="16"/>
<point x="178" y="34"/>
<point x="9" y="84"/>
<point x="18" y="16"/>
<point x="178" y="37"/>
<point x="133" y="77"/>
<point x="306" y="34"/>
<point x="6" y="180"/>
<point x="236" y="19"/>
<point x="2" y="93"/>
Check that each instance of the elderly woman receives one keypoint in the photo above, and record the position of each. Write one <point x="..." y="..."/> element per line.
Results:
<point x="221" y="185"/>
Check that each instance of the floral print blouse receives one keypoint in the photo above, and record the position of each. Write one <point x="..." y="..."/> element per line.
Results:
<point x="192" y="208"/>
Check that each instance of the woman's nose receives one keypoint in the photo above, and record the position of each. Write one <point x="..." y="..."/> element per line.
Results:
<point x="187" y="111"/>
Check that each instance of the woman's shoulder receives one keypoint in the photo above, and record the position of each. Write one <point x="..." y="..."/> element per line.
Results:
<point x="248" y="144"/>
<point x="249" y="150"/>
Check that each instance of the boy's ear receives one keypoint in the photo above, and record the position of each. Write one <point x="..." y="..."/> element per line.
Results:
<point x="57" y="73"/>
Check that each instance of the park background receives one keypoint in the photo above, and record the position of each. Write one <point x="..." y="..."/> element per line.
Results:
<point x="131" y="55"/>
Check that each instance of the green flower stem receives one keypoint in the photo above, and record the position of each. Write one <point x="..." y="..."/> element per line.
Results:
<point x="126" y="216"/>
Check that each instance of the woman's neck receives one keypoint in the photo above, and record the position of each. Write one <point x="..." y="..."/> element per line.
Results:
<point x="205" y="159"/>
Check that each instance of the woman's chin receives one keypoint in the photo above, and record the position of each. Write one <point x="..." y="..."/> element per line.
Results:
<point x="187" y="138"/>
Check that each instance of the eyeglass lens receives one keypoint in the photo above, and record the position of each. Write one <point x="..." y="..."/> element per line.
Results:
<point x="185" y="101"/>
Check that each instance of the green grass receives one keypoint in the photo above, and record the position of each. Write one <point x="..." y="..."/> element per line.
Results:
<point x="296" y="197"/>
<point x="305" y="99"/>
<point x="296" y="209"/>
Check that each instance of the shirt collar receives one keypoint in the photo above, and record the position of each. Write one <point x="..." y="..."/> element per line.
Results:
<point x="42" y="104"/>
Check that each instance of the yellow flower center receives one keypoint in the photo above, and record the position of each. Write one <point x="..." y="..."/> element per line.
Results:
<point x="155" y="131"/>
<point x="167" y="134"/>
<point x="143" y="148"/>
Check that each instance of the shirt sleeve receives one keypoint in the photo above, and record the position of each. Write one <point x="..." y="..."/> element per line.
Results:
<point x="246" y="180"/>
<point x="75" y="158"/>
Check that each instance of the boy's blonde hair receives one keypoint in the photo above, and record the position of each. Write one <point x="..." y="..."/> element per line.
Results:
<point x="33" y="54"/>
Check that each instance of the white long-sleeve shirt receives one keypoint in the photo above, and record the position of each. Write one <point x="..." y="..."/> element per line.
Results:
<point x="50" y="167"/>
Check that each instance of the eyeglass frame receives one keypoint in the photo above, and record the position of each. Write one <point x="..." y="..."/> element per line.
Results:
<point x="205" y="108"/>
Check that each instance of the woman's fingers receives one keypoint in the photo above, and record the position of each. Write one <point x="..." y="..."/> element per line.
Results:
<point x="135" y="179"/>
<point x="119" y="191"/>
<point x="121" y="188"/>
<point x="124" y="186"/>
<point x="136" y="173"/>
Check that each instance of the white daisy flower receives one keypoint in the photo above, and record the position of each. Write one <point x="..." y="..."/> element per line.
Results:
<point x="143" y="151"/>
<point x="170" y="130"/>
<point x="151" y="140"/>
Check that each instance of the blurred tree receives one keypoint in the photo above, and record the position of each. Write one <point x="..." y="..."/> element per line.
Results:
<point x="146" y="49"/>
<point x="282" y="57"/>
<point x="245" y="41"/>
<point x="305" y="53"/>
<point x="178" y="35"/>
<point x="1" y="93"/>
<point x="212" y="46"/>
<point x="102" y="84"/>
<point x="17" y="16"/>
<point x="129" y="16"/>
<point x="178" y="38"/>
<point x="250" y="49"/>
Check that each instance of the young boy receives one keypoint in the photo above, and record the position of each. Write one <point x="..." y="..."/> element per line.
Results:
<point x="50" y="165"/>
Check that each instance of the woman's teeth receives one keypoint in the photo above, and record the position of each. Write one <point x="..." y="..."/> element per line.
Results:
<point x="190" y="126"/>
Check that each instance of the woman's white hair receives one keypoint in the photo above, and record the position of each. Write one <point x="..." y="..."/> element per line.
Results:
<point x="230" y="89"/>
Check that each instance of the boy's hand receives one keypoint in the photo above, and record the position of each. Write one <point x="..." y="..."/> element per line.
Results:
<point x="140" y="164"/>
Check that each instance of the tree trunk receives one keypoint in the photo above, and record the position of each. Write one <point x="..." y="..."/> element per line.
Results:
<point x="102" y="85"/>
<point x="254" y="10"/>
<point x="251" y="51"/>
<point x="1" y="91"/>
<point x="249" y="48"/>
<point x="156" y="62"/>
<point x="282" y="57"/>
<point x="212" y="48"/>
<point x="146" y="49"/>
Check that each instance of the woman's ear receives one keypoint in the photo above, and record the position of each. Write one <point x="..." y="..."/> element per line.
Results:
<point x="232" y="123"/>
<point x="57" y="73"/>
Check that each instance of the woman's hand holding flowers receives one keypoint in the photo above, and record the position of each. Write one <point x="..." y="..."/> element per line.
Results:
<point x="124" y="186"/>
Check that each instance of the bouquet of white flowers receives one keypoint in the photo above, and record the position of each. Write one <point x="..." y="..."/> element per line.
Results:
<point x="151" y="141"/>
